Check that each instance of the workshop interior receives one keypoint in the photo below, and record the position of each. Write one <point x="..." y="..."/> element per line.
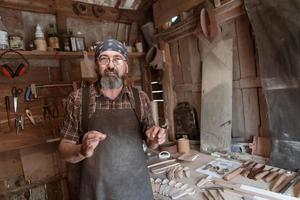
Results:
<point x="222" y="77"/>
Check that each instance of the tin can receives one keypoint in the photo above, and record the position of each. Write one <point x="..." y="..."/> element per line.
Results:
<point x="16" y="42"/>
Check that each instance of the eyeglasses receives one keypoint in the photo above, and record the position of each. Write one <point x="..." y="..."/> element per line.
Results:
<point x="104" y="60"/>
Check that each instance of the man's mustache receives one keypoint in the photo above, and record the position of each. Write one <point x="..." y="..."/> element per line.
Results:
<point x="108" y="72"/>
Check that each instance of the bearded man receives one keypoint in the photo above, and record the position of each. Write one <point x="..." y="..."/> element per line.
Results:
<point x="113" y="164"/>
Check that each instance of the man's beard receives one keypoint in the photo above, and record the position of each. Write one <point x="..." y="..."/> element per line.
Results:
<point x="111" y="80"/>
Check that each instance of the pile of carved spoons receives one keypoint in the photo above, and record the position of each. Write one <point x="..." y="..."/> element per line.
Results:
<point x="178" y="172"/>
<point x="171" y="188"/>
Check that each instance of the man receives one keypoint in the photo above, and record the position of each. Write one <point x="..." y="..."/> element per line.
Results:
<point x="113" y="162"/>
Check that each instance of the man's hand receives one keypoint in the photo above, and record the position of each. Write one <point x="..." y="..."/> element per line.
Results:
<point x="155" y="136"/>
<point x="90" y="141"/>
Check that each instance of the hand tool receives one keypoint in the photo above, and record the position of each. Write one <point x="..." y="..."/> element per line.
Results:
<point x="293" y="182"/>
<point x="262" y="174"/>
<point x="29" y="115"/>
<point x="16" y="93"/>
<point x="189" y="191"/>
<point x="247" y="170"/>
<point x="19" y="123"/>
<point x="237" y="171"/>
<point x="233" y="174"/>
<point x="7" y="107"/>
<point x="272" y="175"/>
<point x="202" y="181"/>
<point x="288" y="178"/>
<point x="206" y="195"/>
<point x="34" y="87"/>
<point x="219" y="192"/>
<point x="28" y="94"/>
<point x="279" y="180"/>
<point x="212" y="195"/>
<point x="255" y="171"/>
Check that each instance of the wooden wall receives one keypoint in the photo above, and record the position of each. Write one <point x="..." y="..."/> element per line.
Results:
<point x="187" y="72"/>
<point x="245" y="99"/>
<point x="28" y="157"/>
<point x="249" y="105"/>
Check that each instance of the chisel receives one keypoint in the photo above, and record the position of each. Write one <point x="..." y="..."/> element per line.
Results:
<point x="262" y="174"/>
<point x="271" y="176"/>
<point x="7" y="107"/>
<point x="292" y="182"/>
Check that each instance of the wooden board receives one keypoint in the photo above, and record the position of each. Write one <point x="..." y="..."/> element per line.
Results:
<point x="164" y="10"/>
<point x="216" y="107"/>
<point x="38" y="162"/>
<point x="176" y="66"/>
<point x="10" y="164"/>
<point x="246" y="105"/>
<point x="245" y="47"/>
<point x="238" y="119"/>
<point x="251" y="113"/>
<point x="169" y="94"/>
<point x="264" y="119"/>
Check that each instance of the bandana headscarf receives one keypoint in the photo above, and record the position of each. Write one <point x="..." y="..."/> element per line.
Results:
<point x="111" y="45"/>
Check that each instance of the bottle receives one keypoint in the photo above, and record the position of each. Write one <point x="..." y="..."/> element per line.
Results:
<point x="66" y="42"/>
<point x="40" y="42"/>
<point x="53" y="39"/>
<point x="72" y="41"/>
<point x="80" y="41"/>
<point x="3" y="36"/>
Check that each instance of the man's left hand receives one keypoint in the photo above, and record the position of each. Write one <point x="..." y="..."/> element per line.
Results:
<point x="156" y="135"/>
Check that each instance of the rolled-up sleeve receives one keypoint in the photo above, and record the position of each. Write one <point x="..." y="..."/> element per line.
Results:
<point x="70" y="127"/>
<point x="146" y="110"/>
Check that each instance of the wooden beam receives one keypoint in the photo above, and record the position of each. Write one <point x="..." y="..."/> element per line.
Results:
<point x="164" y="10"/>
<point x="146" y="5"/>
<point x="180" y="30"/>
<point x="188" y="87"/>
<point x="65" y="8"/>
<point x="229" y="11"/>
<point x="191" y="25"/>
<point x="118" y="3"/>
<point x="247" y="83"/>
<point x="41" y="6"/>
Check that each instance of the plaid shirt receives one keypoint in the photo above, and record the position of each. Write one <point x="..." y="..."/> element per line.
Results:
<point x="72" y="123"/>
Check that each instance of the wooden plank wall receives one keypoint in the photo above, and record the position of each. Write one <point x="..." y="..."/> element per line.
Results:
<point x="27" y="156"/>
<point x="186" y="72"/>
<point x="249" y="105"/>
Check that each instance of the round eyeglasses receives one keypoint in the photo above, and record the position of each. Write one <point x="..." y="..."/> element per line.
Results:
<point x="104" y="60"/>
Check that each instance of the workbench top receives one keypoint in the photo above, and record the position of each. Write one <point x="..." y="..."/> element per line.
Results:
<point x="196" y="176"/>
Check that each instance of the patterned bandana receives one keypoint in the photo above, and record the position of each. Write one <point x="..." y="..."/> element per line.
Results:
<point x="111" y="45"/>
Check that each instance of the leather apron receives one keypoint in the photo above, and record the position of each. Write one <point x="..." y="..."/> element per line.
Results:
<point x="117" y="170"/>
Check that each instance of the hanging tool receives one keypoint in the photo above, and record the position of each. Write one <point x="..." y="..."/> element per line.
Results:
<point x="7" y="107"/>
<point x="55" y="111"/>
<point x="19" y="122"/>
<point x="30" y="117"/>
<point x="28" y="96"/>
<point x="34" y="87"/>
<point x="16" y="93"/>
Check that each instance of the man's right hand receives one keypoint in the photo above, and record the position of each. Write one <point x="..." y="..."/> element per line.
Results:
<point x="90" y="141"/>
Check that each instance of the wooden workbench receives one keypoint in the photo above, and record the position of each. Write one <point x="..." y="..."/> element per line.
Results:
<point x="195" y="176"/>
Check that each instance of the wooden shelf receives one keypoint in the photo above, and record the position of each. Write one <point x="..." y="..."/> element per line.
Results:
<point x="58" y="54"/>
<point x="29" y="137"/>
